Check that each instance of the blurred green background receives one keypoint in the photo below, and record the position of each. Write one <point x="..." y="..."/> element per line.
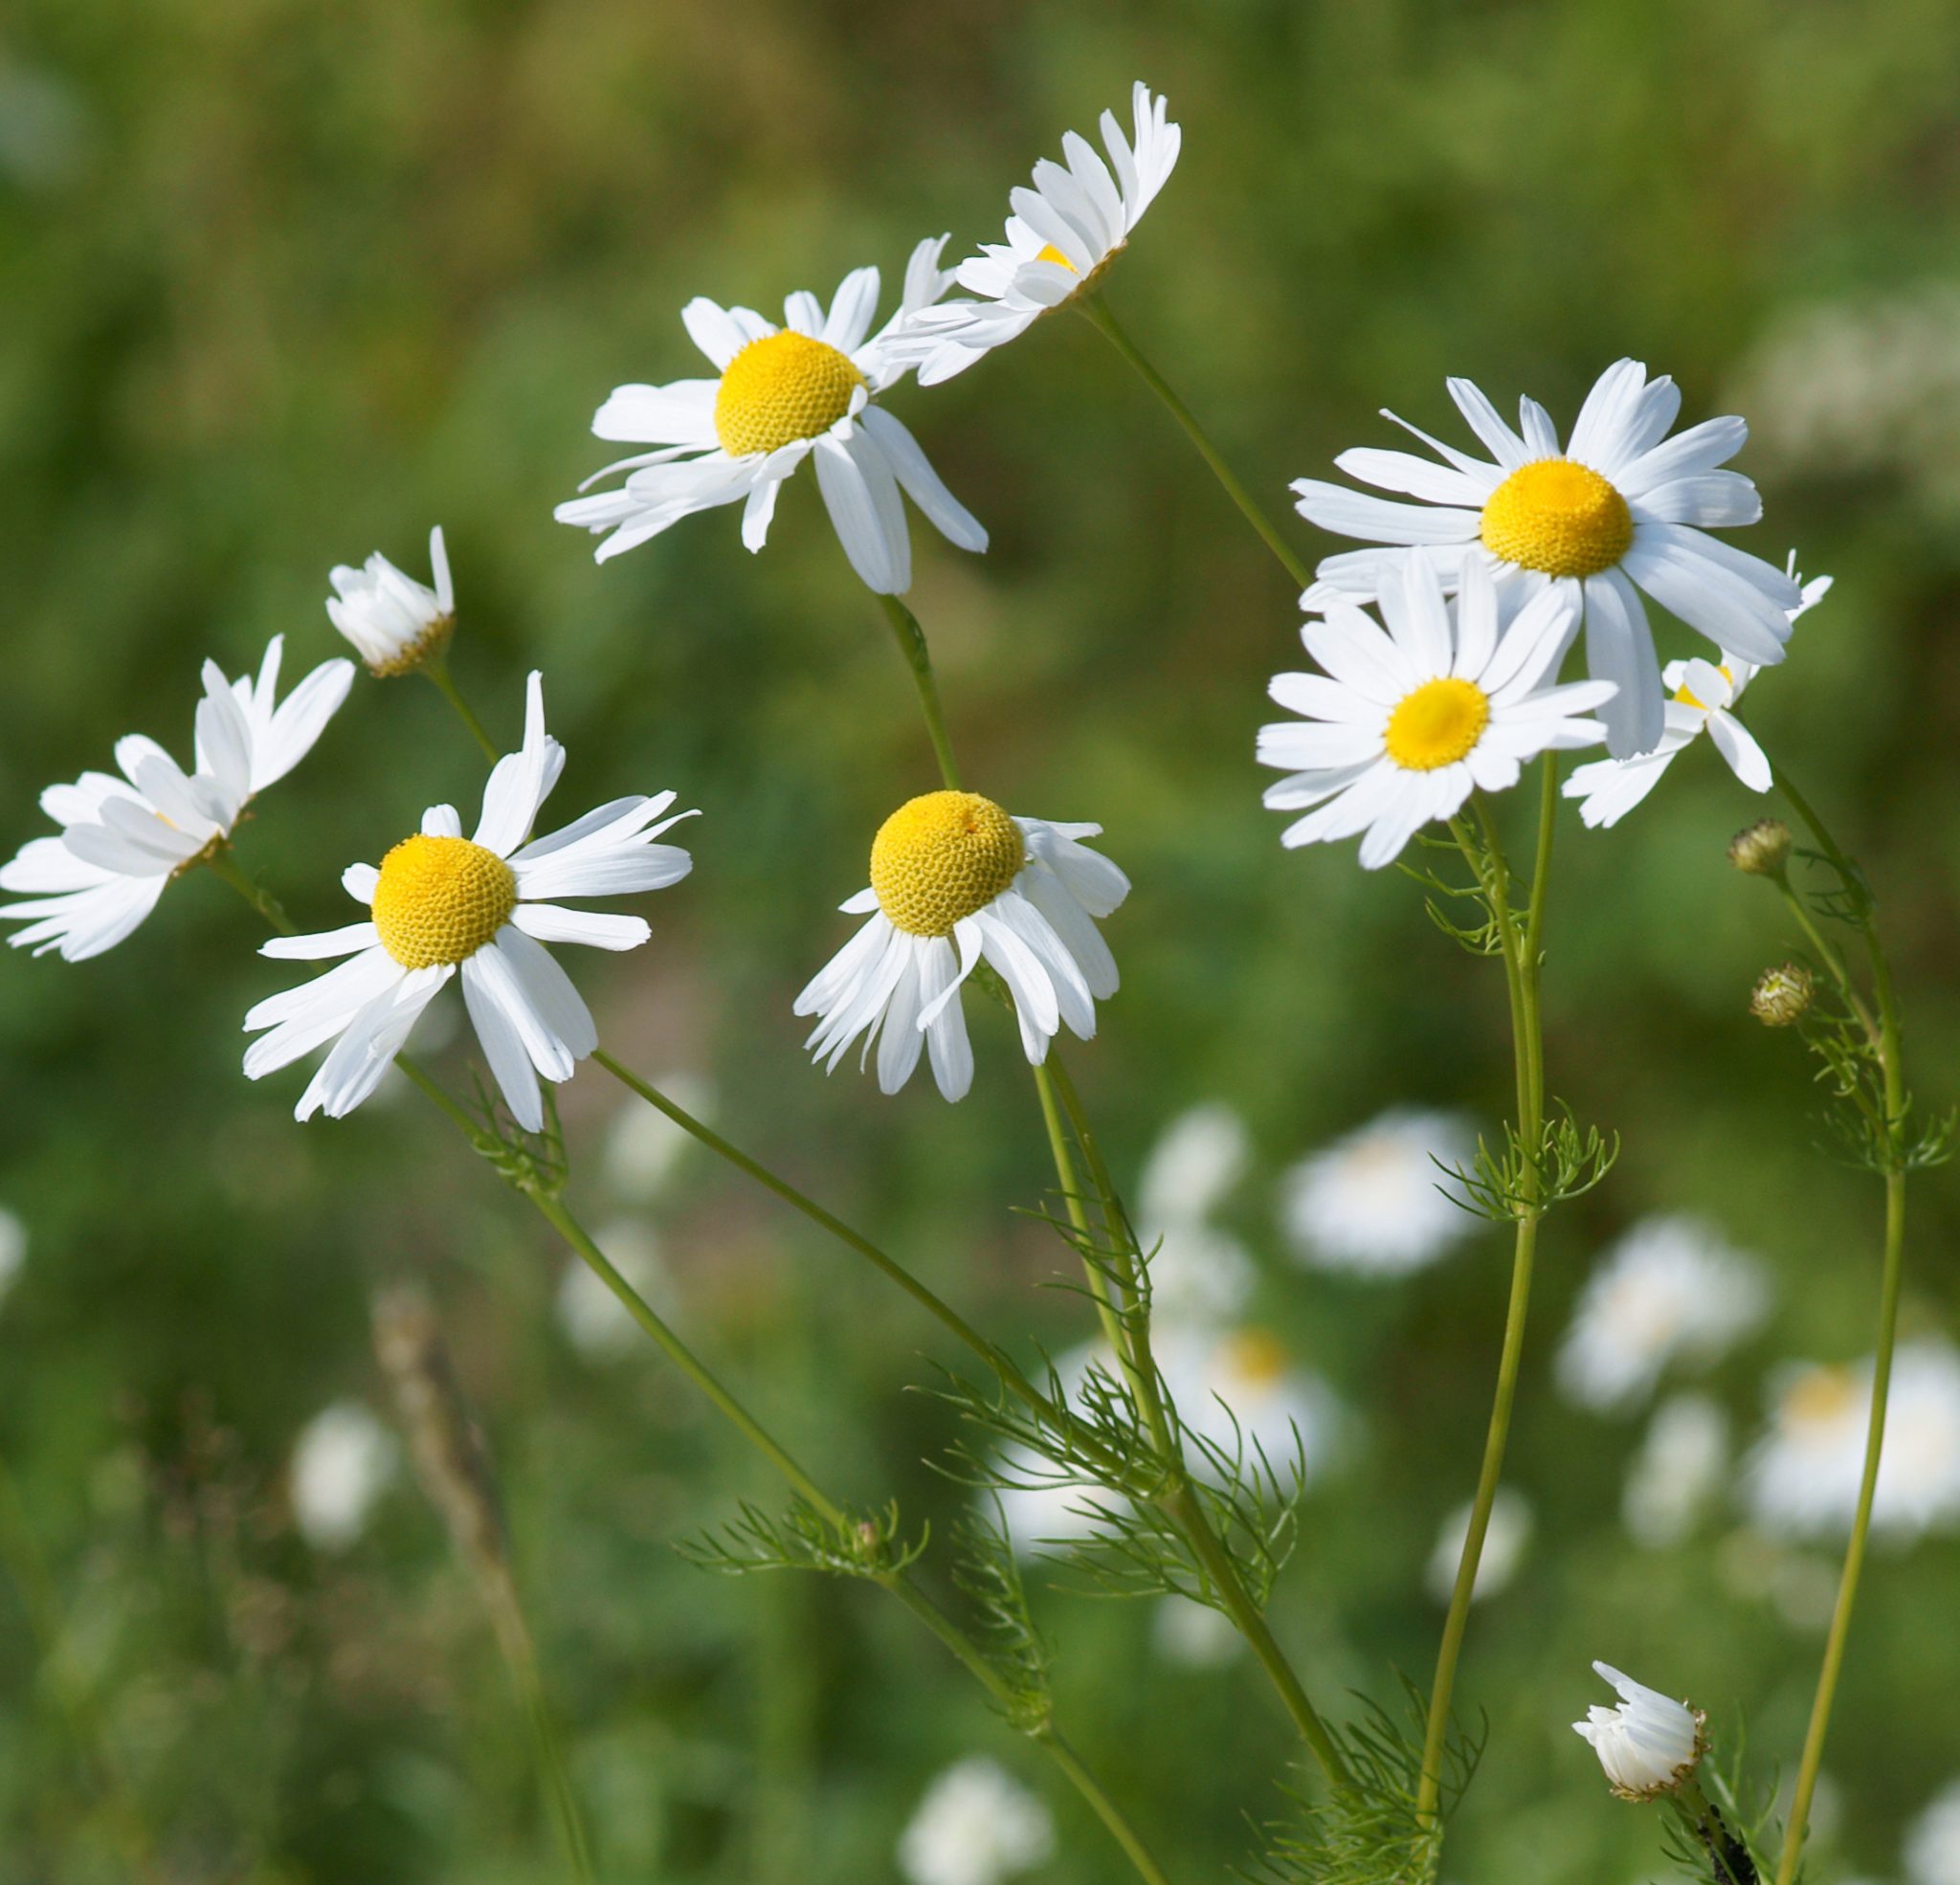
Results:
<point x="285" y="282"/>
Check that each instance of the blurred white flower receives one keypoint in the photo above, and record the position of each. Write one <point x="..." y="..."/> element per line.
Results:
<point x="1193" y="1635"/>
<point x="1201" y="1276"/>
<point x="343" y="1462"/>
<point x="643" y="1144"/>
<point x="1243" y="1394"/>
<point x="12" y="1251"/>
<point x="1371" y="1203"/>
<point x="1196" y="1160"/>
<point x="1505" y="1539"/>
<point x="976" y="1825"/>
<point x="1649" y="1744"/>
<point x="1670" y="1290"/>
<point x="1801" y="1480"/>
<point x="1932" y="1841"/>
<point x="594" y="1320"/>
<point x="1682" y="1465"/>
<point x="395" y="622"/>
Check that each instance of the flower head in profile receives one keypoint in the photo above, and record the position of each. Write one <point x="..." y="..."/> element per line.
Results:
<point x="124" y="839"/>
<point x="955" y="879"/>
<point x="1671" y="1289"/>
<point x="1649" y="1744"/>
<point x="1620" y="510"/>
<point x="805" y="390"/>
<point x="483" y="906"/>
<point x="1374" y="1202"/>
<point x="1801" y="1478"/>
<point x="1407" y="721"/>
<point x="396" y="623"/>
<point x="976" y="1825"/>
<point x="1060" y="240"/>
<point x="1702" y="698"/>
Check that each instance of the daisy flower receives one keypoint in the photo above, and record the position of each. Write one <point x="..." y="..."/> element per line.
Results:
<point x="1701" y="698"/>
<point x="1061" y="238"/>
<point x="343" y="1461"/>
<point x="954" y="879"/>
<point x="1932" y="1842"/>
<point x="1682" y="1465"/>
<point x="780" y="395"/>
<point x="1671" y="1289"/>
<point x="1801" y="1480"/>
<point x="1452" y="698"/>
<point x="123" y="840"/>
<point x="1650" y="1744"/>
<point x="1621" y="510"/>
<point x="1507" y="1538"/>
<point x="440" y="904"/>
<point x="976" y="1825"/>
<point x="1374" y="1203"/>
<point x="395" y="622"/>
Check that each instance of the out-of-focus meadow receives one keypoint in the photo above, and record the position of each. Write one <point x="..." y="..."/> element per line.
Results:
<point x="286" y="282"/>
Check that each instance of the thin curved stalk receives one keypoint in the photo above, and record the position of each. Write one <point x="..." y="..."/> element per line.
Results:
<point x="438" y="670"/>
<point x="911" y="641"/>
<point x="1097" y="312"/>
<point x="1522" y="947"/>
<point x="1888" y="1041"/>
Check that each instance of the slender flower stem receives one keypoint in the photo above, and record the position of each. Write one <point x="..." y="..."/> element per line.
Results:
<point x="228" y="868"/>
<point x="1887" y="1037"/>
<point x="1130" y="1335"/>
<point x="1522" y="948"/>
<point x="1097" y="311"/>
<point x="912" y="639"/>
<point x="437" y="667"/>
<point x="899" y="1583"/>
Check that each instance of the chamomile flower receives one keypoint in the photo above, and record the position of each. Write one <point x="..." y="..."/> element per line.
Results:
<point x="1375" y="1203"/>
<point x="123" y="840"/>
<point x="442" y="903"/>
<point x="343" y="1461"/>
<point x="1932" y="1842"/>
<point x="806" y="389"/>
<point x="1671" y="1289"/>
<point x="1507" y="1538"/>
<point x="976" y="1825"/>
<point x="1061" y="238"/>
<point x="1649" y="1744"/>
<point x="1621" y="509"/>
<point x="1404" y="725"/>
<point x="395" y="622"/>
<point x="953" y="879"/>
<point x="1701" y="698"/>
<point x="1682" y="1465"/>
<point x="1243" y="1395"/>
<point x="1801" y="1480"/>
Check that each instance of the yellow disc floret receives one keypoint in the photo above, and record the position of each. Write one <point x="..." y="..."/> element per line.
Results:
<point x="781" y="388"/>
<point x="441" y="900"/>
<point x="1252" y="1358"/>
<point x="1437" y="725"/>
<point x="1048" y="252"/>
<point x="1557" y="516"/>
<point x="1687" y="698"/>
<point x="939" y="859"/>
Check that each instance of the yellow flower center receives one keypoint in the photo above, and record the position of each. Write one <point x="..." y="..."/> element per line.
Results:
<point x="1687" y="700"/>
<point x="1252" y="1358"/>
<point x="1557" y="516"/>
<point x="1048" y="252"/>
<point x="1437" y="725"/>
<point x="1819" y="1396"/>
<point x="781" y="388"/>
<point x="939" y="859"/>
<point x="441" y="900"/>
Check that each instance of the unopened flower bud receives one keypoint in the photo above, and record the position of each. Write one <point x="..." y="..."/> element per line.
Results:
<point x="397" y="622"/>
<point x="1649" y="1744"/>
<point x="1781" y="996"/>
<point x="1762" y="849"/>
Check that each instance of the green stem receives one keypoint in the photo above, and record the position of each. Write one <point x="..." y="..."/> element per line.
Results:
<point x="934" y="1305"/>
<point x="899" y="1583"/>
<point x="227" y="868"/>
<point x="1129" y="1336"/>
<point x="437" y="667"/>
<point x="911" y="641"/>
<point x="1097" y="310"/>
<point x="1888" y="1036"/>
<point x="1522" y="956"/>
